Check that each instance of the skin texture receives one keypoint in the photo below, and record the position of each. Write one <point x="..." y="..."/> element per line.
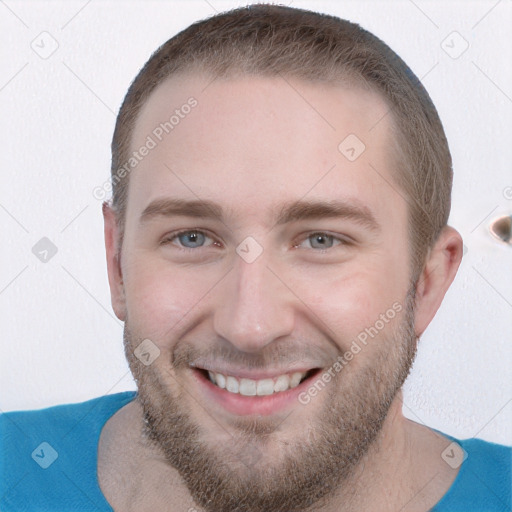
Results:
<point x="253" y="144"/>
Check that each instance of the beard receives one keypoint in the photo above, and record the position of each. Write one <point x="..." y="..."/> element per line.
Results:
<point x="245" y="475"/>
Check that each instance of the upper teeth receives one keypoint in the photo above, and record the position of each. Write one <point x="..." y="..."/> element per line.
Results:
<point x="250" y="387"/>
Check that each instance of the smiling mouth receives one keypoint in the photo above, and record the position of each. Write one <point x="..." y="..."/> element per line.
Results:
<point x="260" y="387"/>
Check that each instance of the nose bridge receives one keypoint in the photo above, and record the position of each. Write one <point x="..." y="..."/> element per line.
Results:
<point x="254" y="308"/>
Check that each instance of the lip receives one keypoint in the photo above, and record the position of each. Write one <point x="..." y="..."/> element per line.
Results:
<point x="240" y="405"/>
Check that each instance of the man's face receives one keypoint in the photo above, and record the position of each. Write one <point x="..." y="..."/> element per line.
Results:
<point x="278" y="307"/>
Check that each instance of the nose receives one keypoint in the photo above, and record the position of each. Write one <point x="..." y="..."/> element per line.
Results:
<point x="254" y="307"/>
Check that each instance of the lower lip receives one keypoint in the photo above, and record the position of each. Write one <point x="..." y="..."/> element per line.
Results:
<point x="245" y="405"/>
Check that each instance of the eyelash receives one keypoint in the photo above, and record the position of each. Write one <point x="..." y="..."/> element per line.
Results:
<point x="173" y="236"/>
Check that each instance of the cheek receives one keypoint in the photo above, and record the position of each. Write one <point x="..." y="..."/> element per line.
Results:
<point x="357" y="299"/>
<point x="160" y="298"/>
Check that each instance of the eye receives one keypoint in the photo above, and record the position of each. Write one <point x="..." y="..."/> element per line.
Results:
<point x="189" y="239"/>
<point x="321" y="240"/>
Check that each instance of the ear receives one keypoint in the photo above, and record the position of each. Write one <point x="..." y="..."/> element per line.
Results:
<point x="439" y="270"/>
<point x="115" y="276"/>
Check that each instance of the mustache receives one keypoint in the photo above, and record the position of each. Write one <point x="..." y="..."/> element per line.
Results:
<point x="274" y="356"/>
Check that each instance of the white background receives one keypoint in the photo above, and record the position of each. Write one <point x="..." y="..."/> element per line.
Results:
<point x="60" y="340"/>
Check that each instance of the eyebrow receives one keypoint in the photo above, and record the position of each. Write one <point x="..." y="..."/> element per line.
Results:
<point x="290" y="212"/>
<point x="181" y="207"/>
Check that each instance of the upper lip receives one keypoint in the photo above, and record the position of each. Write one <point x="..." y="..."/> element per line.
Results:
<point x="255" y="374"/>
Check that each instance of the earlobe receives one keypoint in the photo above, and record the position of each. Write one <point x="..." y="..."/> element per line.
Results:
<point x="115" y="275"/>
<point x="440" y="268"/>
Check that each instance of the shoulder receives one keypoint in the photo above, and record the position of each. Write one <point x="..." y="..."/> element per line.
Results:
<point x="50" y="455"/>
<point x="484" y="479"/>
<point x="486" y="454"/>
<point x="63" y="424"/>
<point x="67" y="413"/>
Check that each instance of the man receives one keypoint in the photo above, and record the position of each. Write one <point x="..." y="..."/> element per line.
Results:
<point x="277" y="243"/>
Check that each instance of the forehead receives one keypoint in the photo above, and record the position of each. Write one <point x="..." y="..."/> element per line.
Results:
<point x="249" y="142"/>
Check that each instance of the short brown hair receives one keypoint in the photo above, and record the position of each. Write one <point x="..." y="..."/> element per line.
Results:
<point x="272" y="40"/>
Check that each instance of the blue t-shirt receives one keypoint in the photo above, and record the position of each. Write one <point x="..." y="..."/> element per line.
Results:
<point x="49" y="459"/>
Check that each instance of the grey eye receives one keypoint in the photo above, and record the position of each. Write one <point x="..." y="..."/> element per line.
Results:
<point x="321" y="241"/>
